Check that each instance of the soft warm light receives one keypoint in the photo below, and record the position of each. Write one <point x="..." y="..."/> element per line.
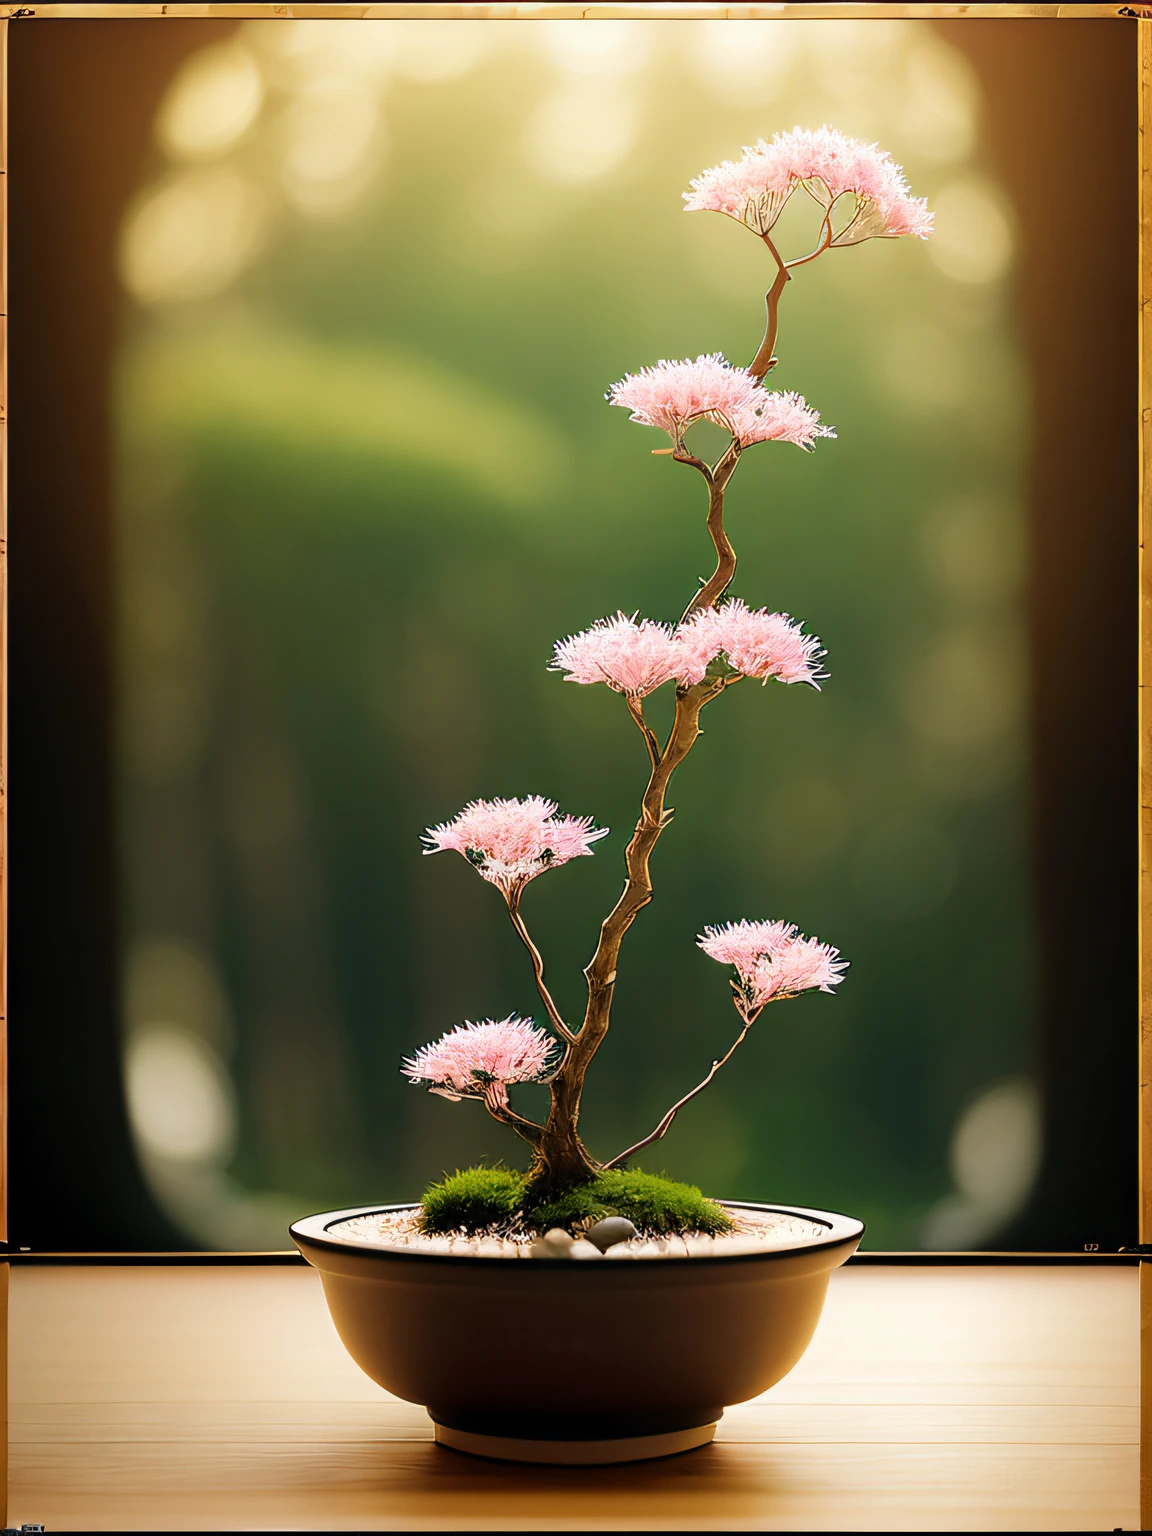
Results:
<point x="938" y="112"/>
<point x="580" y="133"/>
<point x="743" y="61"/>
<point x="429" y="51"/>
<point x="926" y="367"/>
<point x="964" y="689"/>
<point x="994" y="1159"/>
<point x="300" y="52"/>
<point x="332" y="143"/>
<point x="213" y="100"/>
<point x="189" y="238"/>
<point x="180" y="1101"/>
<point x="996" y="1146"/>
<point x="596" y="47"/>
<point x="973" y="241"/>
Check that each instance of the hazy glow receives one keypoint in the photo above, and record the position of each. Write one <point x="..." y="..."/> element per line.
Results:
<point x="212" y="101"/>
<point x="596" y="47"/>
<point x="180" y="1100"/>
<point x="332" y="145"/>
<point x="938" y="109"/>
<point x="973" y="241"/>
<point x="187" y="239"/>
<point x="494" y="176"/>
<point x="743" y="61"/>
<point x="580" y="133"/>
<point x="428" y="51"/>
<point x="926" y="367"/>
<point x="994" y="1158"/>
<point x="361" y="402"/>
<point x="169" y="979"/>
<point x="965" y="688"/>
<point x="298" y="52"/>
<point x="974" y="548"/>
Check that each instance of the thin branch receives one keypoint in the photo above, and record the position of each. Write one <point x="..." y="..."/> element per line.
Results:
<point x="662" y="1129"/>
<point x="503" y="1112"/>
<point x="557" y="1022"/>
<point x="717" y="479"/>
<point x="636" y="710"/>
<point x="822" y="244"/>
<point x="532" y="1133"/>
<point x="764" y="359"/>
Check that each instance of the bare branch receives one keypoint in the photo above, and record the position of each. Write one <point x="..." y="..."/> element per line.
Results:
<point x="662" y="1129"/>
<point x="764" y="358"/>
<point x="557" y="1022"/>
<point x="532" y="1133"/>
<point x="636" y="710"/>
<point x="721" y="579"/>
<point x="821" y="245"/>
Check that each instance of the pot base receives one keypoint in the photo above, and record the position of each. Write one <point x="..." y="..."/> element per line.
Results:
<point x="575" y="1453"/>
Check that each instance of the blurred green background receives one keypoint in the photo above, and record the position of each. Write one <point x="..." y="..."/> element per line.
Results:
<point x="376" y="281"/>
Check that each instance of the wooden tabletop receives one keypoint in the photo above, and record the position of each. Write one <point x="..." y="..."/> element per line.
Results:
<point x="943" y="1398"/>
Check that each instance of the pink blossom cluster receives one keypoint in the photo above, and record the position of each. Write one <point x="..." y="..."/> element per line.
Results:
<point x="634" y="657"/>
<point x="672" y="395"/>
<point x="784" y="417"/>
<point x="510" y="842"/>
<point x="828" y="165"/>
<point x="637" y="657"/>
<point x="757" y="643"/>
<point x="773" y="960"/>
<point x="482" y="1058"/>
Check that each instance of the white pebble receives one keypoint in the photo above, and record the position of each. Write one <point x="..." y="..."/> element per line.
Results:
<point x="490" y="1248"/>
<point x="582" y="1249"/>
<point x="436" y="1245"/>
<point x="700" y="1247"/>
<point x="558" y="1238"/>
<point x="620" y="1251"/>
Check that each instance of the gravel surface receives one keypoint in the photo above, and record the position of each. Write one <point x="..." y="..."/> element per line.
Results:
<point x="756" y="1232"/>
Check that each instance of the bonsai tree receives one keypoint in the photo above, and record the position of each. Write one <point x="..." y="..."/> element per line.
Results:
<point x="718" y="642"/>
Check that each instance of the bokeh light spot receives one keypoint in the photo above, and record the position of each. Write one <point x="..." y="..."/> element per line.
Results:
<point x="580" y="133"/>
<point x="188" y="238"/>
<point x="212" y="102"/>
<point x="180" y="1100"/>
<point x="973" y="240"/>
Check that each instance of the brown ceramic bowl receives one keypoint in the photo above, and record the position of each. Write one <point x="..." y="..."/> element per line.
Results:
<point x="569" y="1360"/>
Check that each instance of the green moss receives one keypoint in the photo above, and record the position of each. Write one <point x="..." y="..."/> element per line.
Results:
<point x="472" y="1198"/>
<point x="655" y="1204"/>
<point x="477" y="1199"/>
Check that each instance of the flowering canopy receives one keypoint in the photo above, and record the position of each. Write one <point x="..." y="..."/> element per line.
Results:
<point x="633" y="658"/>
<point x="828" y="165"/>
<point x="510" y="842"/>
<point x="773" y="960"/>
<point x="482" y="1058"/>
<point x="757" y="643"/>
<point x="637" y="657"/>
<point x="720" y="639"/>
<point x="673" y="395"/>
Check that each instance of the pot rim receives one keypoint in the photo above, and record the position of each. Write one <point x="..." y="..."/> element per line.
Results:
<point x="315" y="1232"/>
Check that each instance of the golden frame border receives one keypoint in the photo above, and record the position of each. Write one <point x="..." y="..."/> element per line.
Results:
<point x="795" y="10"/>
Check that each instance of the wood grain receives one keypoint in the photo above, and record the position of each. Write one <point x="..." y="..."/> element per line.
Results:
<point x="931" y="1399"/>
